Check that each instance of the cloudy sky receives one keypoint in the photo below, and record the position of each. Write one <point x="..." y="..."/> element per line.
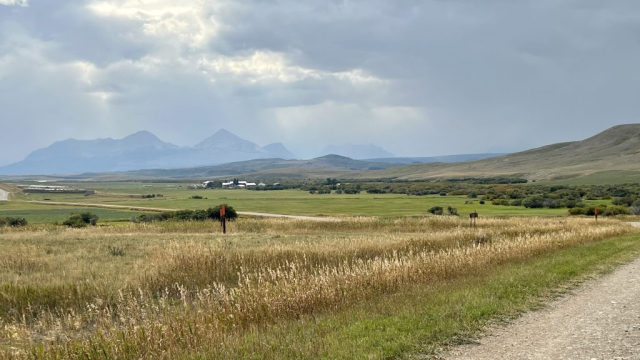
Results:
<point x="419" y="78"/>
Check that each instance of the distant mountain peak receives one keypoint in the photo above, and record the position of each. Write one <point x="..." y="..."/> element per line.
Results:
<point x="278" y="150"/>
<point x="228" y="141"/>
<point x="142" y="136"/>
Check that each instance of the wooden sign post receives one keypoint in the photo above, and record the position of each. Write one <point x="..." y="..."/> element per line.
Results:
<point x="473" y="218"/>
<point x="223" y="218"/>
<point x="596" y="212"/>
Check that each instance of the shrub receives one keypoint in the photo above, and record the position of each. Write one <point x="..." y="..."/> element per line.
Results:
<point x="436" y="210"/>
<point x="602" y="211"/>
<point x="482" y="202"/>
<point x="624" y="201"/>
<point x="184" y="215"/>
<point x="616" y="210"/>
<point x="197" y="197"/>
<point x="190" y="215"/>
<point x="516" y="202"/>
<point x="81" y="220"/>
<point x="14" y="222"/>
<point x="577" y="211"/>
<point x="214" y="213"/>
<point x="452" y="211"/>
<point x="116" y="251"/>
<point x="534" y="202"/>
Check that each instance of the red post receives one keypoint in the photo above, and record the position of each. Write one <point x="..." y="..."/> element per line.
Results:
<point x="223" y="218"/>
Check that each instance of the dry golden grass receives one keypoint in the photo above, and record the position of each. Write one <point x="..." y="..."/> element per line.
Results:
<point x="175" y="289"/>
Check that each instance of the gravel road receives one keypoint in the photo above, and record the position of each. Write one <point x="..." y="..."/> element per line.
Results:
<point x="600" y="320"/>
<point x="4" y="195"/>
<point x="297" y="217"/>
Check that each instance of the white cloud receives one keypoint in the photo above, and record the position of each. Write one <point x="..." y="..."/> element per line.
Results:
<point x="14" y="2"/>
<point x="184" y="22"/>
<point x="409" y="77"/>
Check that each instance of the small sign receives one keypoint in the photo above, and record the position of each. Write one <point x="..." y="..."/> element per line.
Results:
<point x="223" y="218"/>
<point x="473" y="218"/>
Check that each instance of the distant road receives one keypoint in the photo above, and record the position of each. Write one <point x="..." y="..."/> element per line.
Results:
<point x="4" y="195"/>
<point x="141" y="208"/>
<point x="296" y="217"/>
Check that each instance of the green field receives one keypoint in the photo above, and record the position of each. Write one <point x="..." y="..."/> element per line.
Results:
<point x="37" y="213"/>
<point x="611" y="177"/>
<point x="289" y="202"/>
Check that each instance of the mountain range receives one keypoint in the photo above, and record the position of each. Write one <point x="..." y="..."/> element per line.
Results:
<point x="613" y="155"/>
<point x="139" y="151"/>
<point x="609" y="153"/>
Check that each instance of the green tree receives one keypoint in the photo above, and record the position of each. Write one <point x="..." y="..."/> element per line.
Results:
<point x="214" y="213"/>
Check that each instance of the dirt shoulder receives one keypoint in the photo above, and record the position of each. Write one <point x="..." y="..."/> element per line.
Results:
<point x="599" y="320"/>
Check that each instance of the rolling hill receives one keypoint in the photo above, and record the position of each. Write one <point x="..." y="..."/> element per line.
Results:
<point x="435" y="159"/>
<point x="358" y="152"/>
<point x="328" y="165"/>
<point x="616" y="149"/>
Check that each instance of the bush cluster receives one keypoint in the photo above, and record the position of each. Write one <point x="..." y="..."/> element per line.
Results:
<point x="439" y="210"/>
<point x="81" y="220"/>
<point x="151" y="196"/>
<point x="189" y="215"/>
<point x="12" y="221"/>
<point x="603" y="210"/>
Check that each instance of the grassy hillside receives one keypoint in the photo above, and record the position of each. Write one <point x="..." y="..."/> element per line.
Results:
<point x="616" y="149"/>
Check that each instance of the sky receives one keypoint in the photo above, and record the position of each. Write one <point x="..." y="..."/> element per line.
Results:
<point x="418" y="78"/>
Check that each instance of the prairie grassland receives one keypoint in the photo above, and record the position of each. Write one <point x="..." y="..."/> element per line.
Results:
<point x="177" y="290"/>
<point x="290" y="202"/>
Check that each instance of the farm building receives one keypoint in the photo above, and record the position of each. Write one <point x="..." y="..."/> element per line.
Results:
<point x="240" y="184"/>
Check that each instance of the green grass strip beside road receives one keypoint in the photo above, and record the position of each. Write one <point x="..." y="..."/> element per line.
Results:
<point x="421" y="321"/>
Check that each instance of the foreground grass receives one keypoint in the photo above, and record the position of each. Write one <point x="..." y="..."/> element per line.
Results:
<point x="427" y="320"/>
<point x="365" y="287"/>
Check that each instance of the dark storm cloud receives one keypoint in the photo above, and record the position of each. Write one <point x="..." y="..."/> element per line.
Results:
<point x="416" y="77"/>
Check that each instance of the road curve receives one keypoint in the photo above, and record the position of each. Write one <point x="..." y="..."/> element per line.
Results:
<point x="142" y="208"/>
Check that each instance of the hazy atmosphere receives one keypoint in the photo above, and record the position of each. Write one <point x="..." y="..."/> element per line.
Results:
<point x="418" y="78"/>
<point x="319" y="179"/>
